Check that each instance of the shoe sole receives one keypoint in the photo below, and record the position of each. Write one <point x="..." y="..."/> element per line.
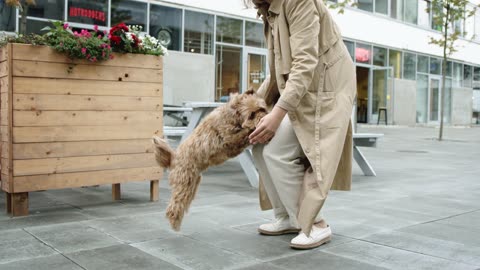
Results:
<point x="314" y="245"/>
<point x="288" y="231"/>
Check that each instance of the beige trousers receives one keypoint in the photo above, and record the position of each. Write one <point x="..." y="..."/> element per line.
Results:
<point x="279" y="165"/>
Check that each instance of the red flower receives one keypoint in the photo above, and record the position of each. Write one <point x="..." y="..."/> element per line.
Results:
<point x="136" y="41"/>
<point x="116" y="40"/>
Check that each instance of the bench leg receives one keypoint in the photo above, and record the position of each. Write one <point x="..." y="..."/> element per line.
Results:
<point x="116" y="192"/>
<point x="19" y="204"/>
<point x="246" y="161"/>
<point x="362" y="162"/>
<point x="8" y="203"/>
<point x="154" y="190"/>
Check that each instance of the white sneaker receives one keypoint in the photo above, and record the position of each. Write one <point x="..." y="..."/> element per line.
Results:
<point x="279" y="227"/>
<point x="318" y="236"/>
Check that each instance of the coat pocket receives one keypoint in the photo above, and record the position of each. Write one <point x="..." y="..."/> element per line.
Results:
<point x="328" y="107"/>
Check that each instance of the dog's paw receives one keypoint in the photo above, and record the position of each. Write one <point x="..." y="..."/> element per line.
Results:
<point x="175" y="216"/>
<point x="157" y="140"/>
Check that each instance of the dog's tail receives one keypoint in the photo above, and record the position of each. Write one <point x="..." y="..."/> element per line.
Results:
<point x="164" y="154"/>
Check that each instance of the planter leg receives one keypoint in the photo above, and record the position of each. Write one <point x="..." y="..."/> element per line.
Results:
<point x="154" y="190"/>
<point x="19" y="203"/>
<point x="8" y="202"/>
<point x="116" y="192"/>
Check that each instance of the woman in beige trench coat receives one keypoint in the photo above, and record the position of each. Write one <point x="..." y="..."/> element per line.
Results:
<point x="300" y="157"/>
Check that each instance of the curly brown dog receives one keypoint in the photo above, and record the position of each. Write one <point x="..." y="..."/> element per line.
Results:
<point x="223" y="134"/>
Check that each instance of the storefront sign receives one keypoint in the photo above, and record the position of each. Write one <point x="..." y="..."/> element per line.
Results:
<point x="87" y="13"/>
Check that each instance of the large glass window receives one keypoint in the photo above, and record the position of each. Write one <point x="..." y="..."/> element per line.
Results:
<point x="476" y="73"/>
<point x="351" y="48"/>
<point x="448" y="101"/>
<point x="166" y="26"/>
<point x="477" y="25"/>
<point x="422" y="65"/>
<point x="36" y="27"/>
<point x="48" y="9"/>
<point x="379" y="56"/>
<point x="381" y="6"/>
<point x="366" y="5"/>
<point x="228" y="70"/>
<point x="435" y="66"/>
<point x="457" y="74"/>
<point x="449" y="68"/>
<point x="88" y="11"/>
<point x="7" y="17"/>
<point x="467" y="76"/>
<point x="254" y="35"/>
<point x="423" y="14"/>
<point x="363" y="53"/>
<point x="198" y="32"/>
<point x="229" y="30"/>
<point x="395" y="61"/>
<point x="469" y="29"/>
<point x="422" y="98"/>
<point x="129" y="12"/>
<point x="412" y="11"/>
<point x="435" y="18"/>
<point x="409" y="66"/>
<point x="396" y="9"/>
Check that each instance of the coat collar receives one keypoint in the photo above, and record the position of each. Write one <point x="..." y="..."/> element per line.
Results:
<point x="275" y="6"/>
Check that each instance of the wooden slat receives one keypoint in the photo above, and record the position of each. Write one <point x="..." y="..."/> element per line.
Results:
<point x="81" y="164"/>
<point x="79" y="149"/>
<point x="69" y="180"/>
<point x="3" y="54"/>
<point x="4" y="101"/>
<point x="5" y="133"/>
<point x="85" y="103"/>
<point x="5" y="150"/>
<point x="86" y="118"/>
<point x="82" y="133"/>
<point x="4" y="84"/>
<point x="46" y="54"/>
<point x="4" y="117"/>
<point x="37" y="69"/>
<point x="3" y="69"/>
<point x="24" y="85"/>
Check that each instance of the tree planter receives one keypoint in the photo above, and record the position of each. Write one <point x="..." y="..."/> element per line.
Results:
<point x="71" y="123"/>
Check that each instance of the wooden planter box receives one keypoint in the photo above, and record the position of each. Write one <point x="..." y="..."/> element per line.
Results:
<point x="68" y="124"/>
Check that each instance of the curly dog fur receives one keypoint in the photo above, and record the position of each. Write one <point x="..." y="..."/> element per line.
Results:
<point x="223" y="134"/>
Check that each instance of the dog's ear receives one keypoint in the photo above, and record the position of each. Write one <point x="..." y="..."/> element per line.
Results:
<point x="250" y="91"/>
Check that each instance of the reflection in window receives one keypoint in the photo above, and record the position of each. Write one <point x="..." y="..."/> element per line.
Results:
<point x="363" y="53"/>
<point x="449" y="68"/>
<point x="48" y="9"/>
<point x="435" y="66"/>
<point x="351" y="48"/>
<point x="229" y="30"/>
<point x="228" y="72"/>
<point x="467" y="76"/>
<point x="129" y="12"/>
<point x="395" y="61"/>
<point x="198" y="32"/>
<point x="366" y="5"/>
<point x="396" y="9"/>
<point x="166" y="26"/>
<point x="7" y="17"/>
<point x="476" y="73"/>
<point x="423" y="15"/>
<point x="379" y="56"/>
<point x="409" y="66"/>
<point x="88" y="11"/>
<point x="422" y="98"/>
<point x="381" y="6"/>
<point x="254" y="35"/>
<point x="435" y="16"/>
<point x="412" y="9"/>
<point x="422" y="64"/>
<point x="36" y="27"/>
<point x="457" y="74"/>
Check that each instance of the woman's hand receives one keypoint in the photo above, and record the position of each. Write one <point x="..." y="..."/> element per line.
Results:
<point x="267" y="126"/>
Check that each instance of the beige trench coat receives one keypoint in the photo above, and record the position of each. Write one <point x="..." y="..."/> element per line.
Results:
<point x="313" y="78"/>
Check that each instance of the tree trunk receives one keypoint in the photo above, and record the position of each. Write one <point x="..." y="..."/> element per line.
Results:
<point x="23" y="18"/>
<point x="444" y="74"/>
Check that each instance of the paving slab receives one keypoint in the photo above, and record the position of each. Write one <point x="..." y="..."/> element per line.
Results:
<point x="55" y="262"/>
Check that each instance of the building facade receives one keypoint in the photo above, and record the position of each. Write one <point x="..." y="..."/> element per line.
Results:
<point x="217" y="48"/>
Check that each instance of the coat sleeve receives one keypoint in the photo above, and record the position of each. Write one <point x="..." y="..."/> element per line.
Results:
<point x="304" y="26"/>
<point x="263" y="87"/>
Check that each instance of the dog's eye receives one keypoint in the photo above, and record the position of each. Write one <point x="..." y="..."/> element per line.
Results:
<point x="252" y="115"/>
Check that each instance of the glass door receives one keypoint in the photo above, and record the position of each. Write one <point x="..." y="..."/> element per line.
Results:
<point x="434" y="99"/>
<point x="254" y="68"/>
<point x="378" y="96"/>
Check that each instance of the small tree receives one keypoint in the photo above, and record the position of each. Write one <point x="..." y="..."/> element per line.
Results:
<point x="446" y="13"/>
<point x="23" y="6"/>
